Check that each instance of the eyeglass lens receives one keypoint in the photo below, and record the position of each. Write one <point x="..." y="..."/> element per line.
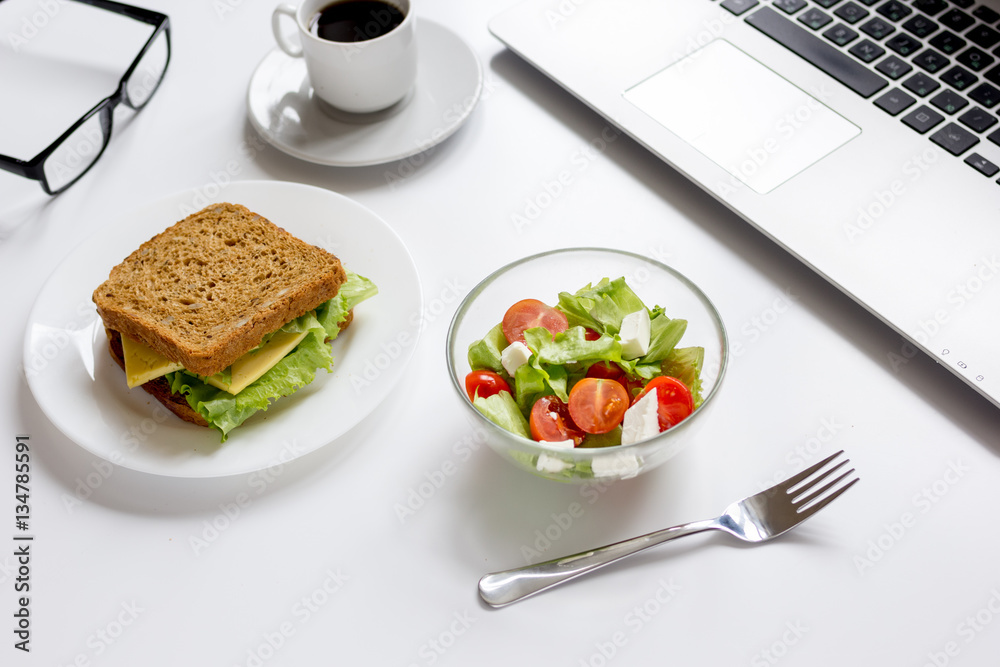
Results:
<point x="75" y="155"/>
<point x="81" y="149"/>
<point x="148" y="72"/>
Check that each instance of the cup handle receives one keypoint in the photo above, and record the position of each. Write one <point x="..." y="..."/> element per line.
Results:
<point x="292" y="49"/>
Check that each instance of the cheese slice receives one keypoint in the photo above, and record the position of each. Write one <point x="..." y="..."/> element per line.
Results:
<point x="255" y="363"/>
<point x="143" y="364"/>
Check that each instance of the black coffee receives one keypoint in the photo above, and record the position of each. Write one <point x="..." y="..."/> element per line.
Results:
<point x="355" y="20"/>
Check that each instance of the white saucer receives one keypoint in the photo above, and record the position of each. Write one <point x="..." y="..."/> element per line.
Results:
<point x="283" y="109"/>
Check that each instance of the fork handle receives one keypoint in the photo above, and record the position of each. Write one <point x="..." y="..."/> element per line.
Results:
<point x="502" y="588"/>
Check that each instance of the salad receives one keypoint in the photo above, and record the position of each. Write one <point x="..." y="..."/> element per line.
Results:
<point x="597" y="369"/>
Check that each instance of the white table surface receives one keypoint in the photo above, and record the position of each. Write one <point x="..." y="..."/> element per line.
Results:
<point x="313" y="563"/>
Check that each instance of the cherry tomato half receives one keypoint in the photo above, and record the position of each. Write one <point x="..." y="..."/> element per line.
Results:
<point x="550" y="420"/>
<point x="590" y="334"/>
<point x="610" y="371"/>
<point x="485" y="383"/>
<point x="673" y="398"/>
<point x="530" y="313"/>
<point x="598" y="405"/>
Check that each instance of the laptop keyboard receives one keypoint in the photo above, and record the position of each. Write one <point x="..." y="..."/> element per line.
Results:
<point x="934" y="64"/>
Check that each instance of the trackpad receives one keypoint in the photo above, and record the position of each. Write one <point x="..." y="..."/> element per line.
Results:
<point x="743" y="116"/>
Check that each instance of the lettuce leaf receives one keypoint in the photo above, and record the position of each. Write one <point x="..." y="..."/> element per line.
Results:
<point x="355" y="290"/>
<point x="531" y="383"/>
<point x="224" y="411"/>
<point x="503" y="411"/>
<point x="485" y="353"/>
<point x="664" y="334"/>
<point x="571" y="346"/>
<point x="600" y="307"/>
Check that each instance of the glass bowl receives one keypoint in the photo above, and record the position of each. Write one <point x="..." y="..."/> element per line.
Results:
<point x="542" y="277"/>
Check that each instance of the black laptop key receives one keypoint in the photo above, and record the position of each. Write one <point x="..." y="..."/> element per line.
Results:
<point x="904" y="45"/>
<point x="931" y="61"/>
<point x="986" y="14"/>
<point x="930" y="7"/>
<point x="949" y="101"/>
<point x="975" y="59"/>
<point x="964" y="4"/>
<point x="984" y="36"/>
<point x="994" y="136"/>
<point x="851" y="12"/>
<point x="978" y="119"/>
<point x="877" y="28"/>
<point x="867" y="51"/>
<point x="826" y="3"/>
<point x="739" y="6"/>
<point x="789" y="6"/>
<point x="954" y="139"/>
<point x="814" y="18"/>
<point x="959" y="78"/>
<point x="840" y="35"/>
<point x="956" y="20"/>
<point x="921" y="84"/>
<point x="895" y="102"/>
<point x="922" y="119"/>
<point x="981" y="164"/>
<point x="894" y="67"/>
<point x="823" y="55"/>
<point x="985" y="94"/>
<point x="947" y="42"/>
<point x="920" y="26"/>
<point x="993" y="76"/>
<point x="894" y="11"/>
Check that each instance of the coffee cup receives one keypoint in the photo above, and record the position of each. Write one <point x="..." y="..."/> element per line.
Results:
<point x="360" y="55"/>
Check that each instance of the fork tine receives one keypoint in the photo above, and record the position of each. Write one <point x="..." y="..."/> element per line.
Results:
<point x="795" y="480"/>
<point x="813" y="482"/>
<point x="812" y="509"/>
<point x="802" y="501"/>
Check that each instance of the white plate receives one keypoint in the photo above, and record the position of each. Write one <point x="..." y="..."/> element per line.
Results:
<point x="81" y="389"/>
<point x="282" y="108"/>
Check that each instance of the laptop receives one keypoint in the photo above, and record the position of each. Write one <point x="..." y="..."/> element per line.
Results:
<point x="862" y="136"/>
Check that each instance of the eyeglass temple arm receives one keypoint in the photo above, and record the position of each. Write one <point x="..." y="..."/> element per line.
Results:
<point x="138" y="13"/>
<point x="15" y="166"/>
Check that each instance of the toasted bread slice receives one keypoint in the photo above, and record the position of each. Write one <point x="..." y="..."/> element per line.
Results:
<point x="208" y="289"/>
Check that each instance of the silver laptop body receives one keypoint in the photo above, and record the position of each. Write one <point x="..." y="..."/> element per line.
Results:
<point x="896" y="202"/>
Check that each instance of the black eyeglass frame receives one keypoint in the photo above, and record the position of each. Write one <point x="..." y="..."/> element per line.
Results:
<point x="34" y="168"/>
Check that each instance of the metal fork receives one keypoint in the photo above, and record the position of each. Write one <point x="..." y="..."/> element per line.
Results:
<point x="757" y="518"/>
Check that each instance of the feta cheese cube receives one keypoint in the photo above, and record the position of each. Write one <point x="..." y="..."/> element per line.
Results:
<point x="641" y="420"/>
<point x="550" y="464"/>
<point x="634" y="334"/>
<point x="619" y="465"/>
<point x="514" y="356"/>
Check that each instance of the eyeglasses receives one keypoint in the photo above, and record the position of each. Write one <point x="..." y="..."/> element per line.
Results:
<point x="75" y="152"/>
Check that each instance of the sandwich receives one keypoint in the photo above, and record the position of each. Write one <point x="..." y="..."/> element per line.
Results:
<point x="225" y="312"/>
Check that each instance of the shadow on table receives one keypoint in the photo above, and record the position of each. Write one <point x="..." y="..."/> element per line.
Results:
<point x="519" y="519"/>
